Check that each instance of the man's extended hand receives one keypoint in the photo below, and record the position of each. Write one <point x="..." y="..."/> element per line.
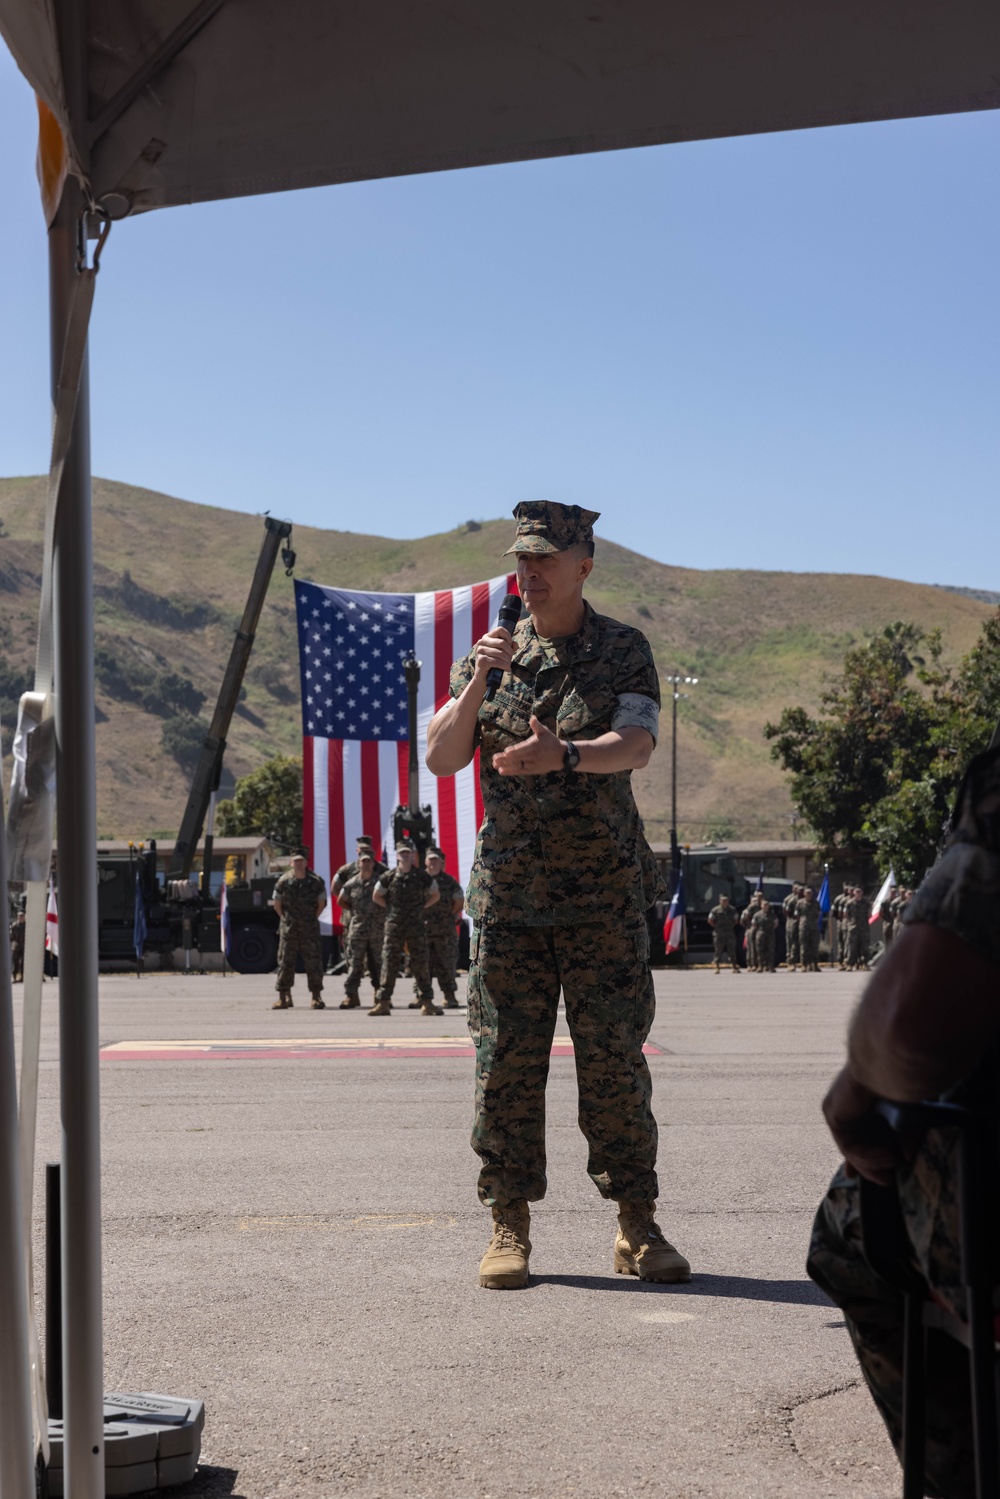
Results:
<point x="869" y="1147"/>
<point x="536" y="756"/>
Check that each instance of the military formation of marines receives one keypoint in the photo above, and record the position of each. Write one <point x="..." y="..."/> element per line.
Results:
<point x="802" y="920"/>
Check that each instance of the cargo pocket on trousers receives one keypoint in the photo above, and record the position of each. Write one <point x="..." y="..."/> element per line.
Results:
<point x="474" y="1013"/>
<point x="645" y="994"/>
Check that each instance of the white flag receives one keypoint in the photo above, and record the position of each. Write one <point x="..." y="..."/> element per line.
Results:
<point x="52" y="922"/>
<point x="890" y="880"/>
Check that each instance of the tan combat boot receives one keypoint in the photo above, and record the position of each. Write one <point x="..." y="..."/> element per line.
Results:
<point x="283" y="1002"/>
<point x="381" y="1007"/>
<point x="317" y="1003"/>
<point x="430" y="1008"/>
<point x="641" y="1249"/>
<point x="504" y="1266"/>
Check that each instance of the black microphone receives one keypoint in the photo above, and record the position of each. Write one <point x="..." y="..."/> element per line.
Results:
<point x="510" y="613"/>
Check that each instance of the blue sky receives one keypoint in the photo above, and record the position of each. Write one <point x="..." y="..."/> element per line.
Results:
<point x="777" y="351"/>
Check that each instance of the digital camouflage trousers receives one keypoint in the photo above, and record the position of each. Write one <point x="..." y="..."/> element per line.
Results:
<point x="873" y="1310"/>
<point x="515" y="977"/>
<point x="299" y="940"/>
<point x="792" y="941"/>
<point x="362" y="945"/>
<point x="724" y="944"/>
<point x="442" y="956"/>
<point x="412" y="936"/>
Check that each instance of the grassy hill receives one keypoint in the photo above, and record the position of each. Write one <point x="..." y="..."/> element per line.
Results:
<point x="171" y="580"/>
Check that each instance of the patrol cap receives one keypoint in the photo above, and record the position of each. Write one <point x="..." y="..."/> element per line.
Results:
<point x="437" y="853"/>
<point x="301" y="853"/>
<point x="544" y="526"/>
<point x="402" y="847"/>
<point x="363" y="840"/>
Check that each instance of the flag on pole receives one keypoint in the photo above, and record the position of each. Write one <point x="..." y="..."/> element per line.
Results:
<point x="890" y="880"/>
<point x="225" y="920"/>
<point x="52" y="921"/>
<point x="139" y="921"/>
<point x="823" y="899"/>
<point x="674" y="926"/>
<point x="355" y="743"/>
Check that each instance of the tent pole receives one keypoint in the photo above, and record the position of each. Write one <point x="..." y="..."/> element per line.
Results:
<point x="83" y="1354"/>
<point x="17" y="1456"/>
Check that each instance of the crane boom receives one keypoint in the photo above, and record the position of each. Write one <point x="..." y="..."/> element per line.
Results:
<point x="210" y="761"/>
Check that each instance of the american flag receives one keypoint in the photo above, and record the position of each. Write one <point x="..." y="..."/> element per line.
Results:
<point x="355" y="747"/>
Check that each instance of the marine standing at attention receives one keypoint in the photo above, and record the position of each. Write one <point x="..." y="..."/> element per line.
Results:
<point x="299" y="897"/>
<point x="722" y="920"/>
<point x="557" y="892"/>
<point x="365" y="929"/>
<point x="442" y="933"/>
<point x="405" y="893"/>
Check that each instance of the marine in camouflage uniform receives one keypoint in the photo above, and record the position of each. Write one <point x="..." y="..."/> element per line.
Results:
<point x="791" y="926"/>
<point x="960" y="897"/>
<point x="18" y="932"/>
<point x="301" y="895"/>
<point x="887" y="911"/>
<point x="838" y="911"/>
<point x="558" y="893"/>
<point x="764" y="928"/>
<point x="442" y="933"/>
<point x="807" y="915"/>
<point x="722" y="920"/>
<point x="404" y="892"/>
<point x="365" y="929"/>
<point x="749" y="935"/>
<point x="857" y="929"/>
<point x="347" y="872"/>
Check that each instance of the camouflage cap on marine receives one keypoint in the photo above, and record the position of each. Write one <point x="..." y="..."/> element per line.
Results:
<point x="544" y="526"/>
<point x="402" y="847"/>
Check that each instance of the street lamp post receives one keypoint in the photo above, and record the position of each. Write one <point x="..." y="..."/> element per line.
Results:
<point x="676" y="680"/>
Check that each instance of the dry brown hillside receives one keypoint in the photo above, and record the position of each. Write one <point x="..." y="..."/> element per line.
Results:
<point x="171" y="580"/>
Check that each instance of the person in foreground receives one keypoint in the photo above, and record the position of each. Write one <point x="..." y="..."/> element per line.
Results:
<point x="561" y="879"/>
<point x="928" y="1019"/>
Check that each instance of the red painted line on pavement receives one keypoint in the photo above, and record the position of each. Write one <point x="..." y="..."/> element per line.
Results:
<point x="256" y="1051"/>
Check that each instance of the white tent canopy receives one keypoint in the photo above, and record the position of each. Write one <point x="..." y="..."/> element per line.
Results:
<point x="189" y="102"/>
<point x="163" y="102"/>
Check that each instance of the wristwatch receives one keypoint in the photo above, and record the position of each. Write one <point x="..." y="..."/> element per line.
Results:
<point x="571" y="756"/>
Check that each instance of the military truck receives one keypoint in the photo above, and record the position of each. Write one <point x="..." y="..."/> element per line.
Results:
<point x="709" y="872"/>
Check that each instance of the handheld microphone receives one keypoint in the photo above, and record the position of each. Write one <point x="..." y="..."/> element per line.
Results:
<point x="507" y="618"/>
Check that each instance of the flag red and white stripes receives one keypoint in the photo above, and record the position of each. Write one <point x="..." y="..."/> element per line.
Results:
<point x="52" y="921"/>
<point x="355" y="745"/>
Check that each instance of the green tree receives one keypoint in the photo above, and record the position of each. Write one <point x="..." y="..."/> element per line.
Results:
<point x="873" y="733"/>
<point x="267" y="802"/>
<point x="880" y="769"/>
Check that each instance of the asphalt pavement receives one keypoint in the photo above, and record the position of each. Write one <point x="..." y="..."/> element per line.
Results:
<point x="291" y="1233"/>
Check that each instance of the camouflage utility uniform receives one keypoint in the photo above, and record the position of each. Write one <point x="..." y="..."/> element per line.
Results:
<point x="17" y="935"/>
<point x="839" y="913"/>
<point x="405" y="926"/>
<point x="961" y="895"/>
<point x="365" y="931"/>
<point x="807" y="914"/>
<point x="723" y="923"/>
<point x="764" y="927"/>
<point x="791" y="929"/>
<point x="857" y="932"/>
<point x="344" y="873"/>
<point x="558" y="892"/>
<point x="442" y="938"/>
<point x="298" y="934"/>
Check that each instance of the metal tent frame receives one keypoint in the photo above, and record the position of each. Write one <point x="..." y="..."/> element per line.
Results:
<point x="163" y="102"/>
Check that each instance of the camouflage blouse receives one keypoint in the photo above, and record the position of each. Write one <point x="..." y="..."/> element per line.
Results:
<point x="405" y="894"/>
<point x="299" y="898"/>
<point x="962" y="891"/>
<point x="563" y="848"/>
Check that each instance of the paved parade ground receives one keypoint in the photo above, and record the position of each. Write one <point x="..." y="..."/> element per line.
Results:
<point x="292" y="1234"/>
